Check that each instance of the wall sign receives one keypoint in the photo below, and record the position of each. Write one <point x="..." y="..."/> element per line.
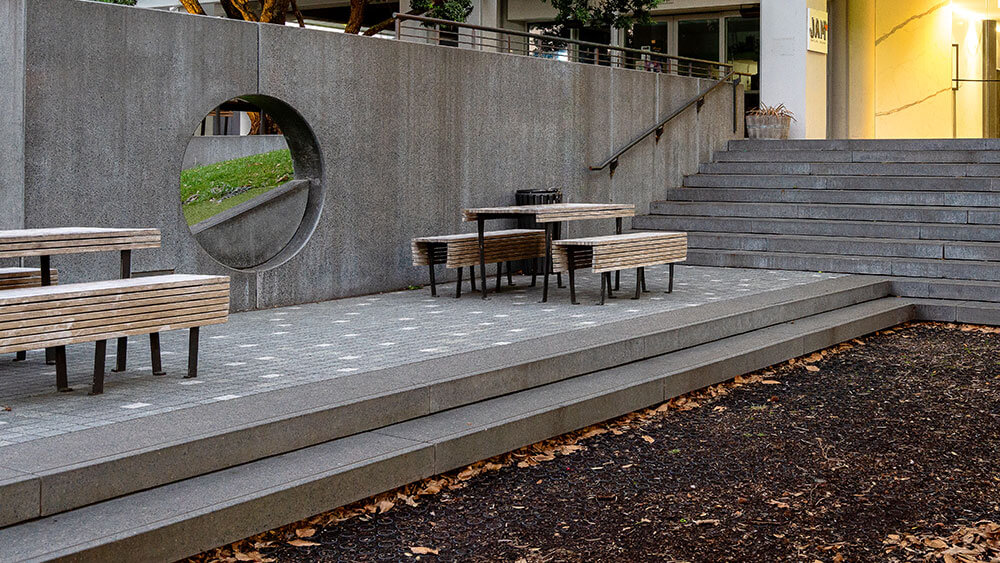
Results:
<point x="819" y="31"/>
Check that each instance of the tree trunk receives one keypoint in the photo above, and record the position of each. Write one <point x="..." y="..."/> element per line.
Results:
<point x="298" y="14"/>
<point x="357" y="16"/>
<point x="273" y="11"/>
<point x="238" y="10"/>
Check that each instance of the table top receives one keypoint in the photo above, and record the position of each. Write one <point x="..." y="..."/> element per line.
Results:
<point x="554" y="212"/>
<point x="509" y="233"/>
<point x="627" y="237"/>
<point x="73" y="240"/>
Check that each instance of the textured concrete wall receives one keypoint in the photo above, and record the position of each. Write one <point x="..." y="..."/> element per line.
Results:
<point x="217" y="148"/>
<point x="408" y="134"/>
<point x="12" y="114"/>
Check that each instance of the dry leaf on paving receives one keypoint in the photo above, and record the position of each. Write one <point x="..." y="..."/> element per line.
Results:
<point x="385" y="506"/>
<point x="648" y="439"/>
<point x="812" y="368"/>
<point x="302" y="543"/>
<point x="419" y="550"/>
<point x="771" y="382"/>
<point x="305" y="532"/>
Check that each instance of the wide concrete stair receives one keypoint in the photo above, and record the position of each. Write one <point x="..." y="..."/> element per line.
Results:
<point x="175" y="484"/>
<point x="926" y="212"/>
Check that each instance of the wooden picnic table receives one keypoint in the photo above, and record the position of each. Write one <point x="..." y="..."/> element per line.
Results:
<point x="548" y="215"/>
<point x="46" y="242"/>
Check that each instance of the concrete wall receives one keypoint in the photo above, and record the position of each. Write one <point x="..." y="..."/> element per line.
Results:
<point x="408" y="134"/>
<point x="217" y="148"/>
<point x="12" y="114"/>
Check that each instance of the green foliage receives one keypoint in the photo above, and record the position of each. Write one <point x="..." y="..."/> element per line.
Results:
<point x="212" y="189"/>
<point x="453" y="10"/>
<point x="602" y="14"/>
<point x="122" y="2"/>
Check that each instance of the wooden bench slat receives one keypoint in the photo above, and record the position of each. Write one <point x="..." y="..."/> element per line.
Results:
<point x="77" y="244"/>
<point x="103" y="301"/>
<point x="69" y="233"/>
<point x="77" y="250"/>
<point x="110" y="333"/>
<point x="62" y="316"/>
<point x="475" y="236"/>
<point x="109" y="287"/>
<point x="57" y="326"/>
<point x="624" y="238"/>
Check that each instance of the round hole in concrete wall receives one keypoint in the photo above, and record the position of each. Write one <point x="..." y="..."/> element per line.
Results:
<point x="251" y="184"/>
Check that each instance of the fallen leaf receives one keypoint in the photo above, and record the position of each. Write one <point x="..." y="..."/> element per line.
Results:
<point x="648" y="439"/>
<point x="419" y="550"/>
<point x="302" y="543"/>
<point x="713" y="522"/>
<point x="812" y="368"/>
<point x="305" y="532"/>
<point x="771" y="382"/>
<point x="385" y="506"/>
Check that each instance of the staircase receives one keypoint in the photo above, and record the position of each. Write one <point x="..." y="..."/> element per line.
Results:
<point x="926" y="212"/>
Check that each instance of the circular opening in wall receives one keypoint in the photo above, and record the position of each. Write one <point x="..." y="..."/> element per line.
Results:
<point x="251" y="184"/>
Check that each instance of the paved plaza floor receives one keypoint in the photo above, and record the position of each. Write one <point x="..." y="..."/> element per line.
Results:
<point x="262" y="351"/>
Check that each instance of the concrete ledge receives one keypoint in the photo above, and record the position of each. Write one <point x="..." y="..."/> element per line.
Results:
<point x="89" y="466"/>
<point x="190" y="516"/>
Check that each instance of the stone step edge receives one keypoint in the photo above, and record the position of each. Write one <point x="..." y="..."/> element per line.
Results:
<point x="53" y="475"/>
<point x="185" y="518"/>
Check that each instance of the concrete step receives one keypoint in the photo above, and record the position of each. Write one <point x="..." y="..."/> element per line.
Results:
<point x="852" y="169"/>
<point x="183" y="518"/>
<point x="862" y="229"/>
<point x="971" y="312"/>
<point x="881" y="183"/>
<point x="952" y="290"/>
<point x="905" y="267"/>
<point x="897" y="156"/>
<point x="854" y="246"/>
<point x="56" y="474"/>
<point x="865" y="144"/>
<point x="832" y="196"/>
<point x="835" y="212"/>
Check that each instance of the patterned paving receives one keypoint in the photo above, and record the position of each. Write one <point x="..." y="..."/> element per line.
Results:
<point x="261" y="351"/>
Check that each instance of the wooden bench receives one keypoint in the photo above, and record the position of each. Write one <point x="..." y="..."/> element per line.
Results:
<point x="55" y="316"/>
<point x="460" y="251"/>
<point x="14" y="278"/>
<point x="613" y="253"/>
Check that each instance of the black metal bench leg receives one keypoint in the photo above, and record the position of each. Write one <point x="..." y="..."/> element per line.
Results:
<point x="472" y="278"/>
<point x="21" y="356"/>
<point x="192" y="353"/>
<point x="121" y="356"/>
<point x="534" y="272"/>
<point x="50" y="356"/>
<point x="611" y="294"/>
<point x="572" y="282"/>
<point x="510" y="279"/>
<point x="618" y="273"/>
<point x="481" y="223"/>
<point x="644" y="290"/>
<point x="547" y="263"/>
<point x="100" y="352"/>
<point x="62" y="378"/>
<point x="458" y="285"/>
<point x="670" y="284"/>
<point x="154" y="353"/>
<point x="499" y="275"/>
<point x="434" y="291"/>
<point x="558" y="236"/>
<point x="638" y="282"/>
<point x="604" y="285"/>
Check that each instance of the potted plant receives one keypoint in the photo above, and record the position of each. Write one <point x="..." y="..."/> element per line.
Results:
<point x="769" y="122"/>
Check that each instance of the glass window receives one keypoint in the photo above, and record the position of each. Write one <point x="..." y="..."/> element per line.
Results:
<point x="698" y="39"/>
<point x="743" y="52"/>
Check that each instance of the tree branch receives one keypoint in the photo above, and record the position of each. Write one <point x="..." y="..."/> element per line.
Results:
<point x="298" y="14"/>
<point x="357" y="16"/>
<point x="193" y="7"/>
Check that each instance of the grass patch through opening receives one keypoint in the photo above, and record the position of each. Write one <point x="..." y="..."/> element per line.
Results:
<point x="209" y="190"/>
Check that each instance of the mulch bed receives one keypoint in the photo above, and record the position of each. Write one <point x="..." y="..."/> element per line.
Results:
<point x="886" y="449"/>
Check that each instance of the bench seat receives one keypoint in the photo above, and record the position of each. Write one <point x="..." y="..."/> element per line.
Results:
<point x="56" y="316"/>
<point x="13" y="278"/>
<point x="462" y="250"/>
<point x="612" y="253"/>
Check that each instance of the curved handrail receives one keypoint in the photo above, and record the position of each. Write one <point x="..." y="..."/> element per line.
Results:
<point x="612" y="161"/>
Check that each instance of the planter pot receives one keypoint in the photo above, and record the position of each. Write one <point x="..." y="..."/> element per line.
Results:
<point x="768" y="126"/>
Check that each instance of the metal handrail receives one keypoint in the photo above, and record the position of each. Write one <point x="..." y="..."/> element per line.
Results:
<point x="612" y="161"/>
<point x="555" y="38"/>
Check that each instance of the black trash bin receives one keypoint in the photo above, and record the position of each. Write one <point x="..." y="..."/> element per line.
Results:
<point x="536" y="197"/>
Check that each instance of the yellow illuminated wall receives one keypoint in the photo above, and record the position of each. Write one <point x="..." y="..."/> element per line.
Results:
<point x="913" y="66"/>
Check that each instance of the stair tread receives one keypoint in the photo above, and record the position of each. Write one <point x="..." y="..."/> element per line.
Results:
<point x="874" y="240"/>
<point x="226" y="505"/>
<point x="848" y="257"/>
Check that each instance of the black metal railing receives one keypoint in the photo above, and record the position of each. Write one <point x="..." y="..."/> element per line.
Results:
<point x="453" y="34"/>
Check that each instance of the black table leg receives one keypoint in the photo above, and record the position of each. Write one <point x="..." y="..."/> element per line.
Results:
<point x="430" y="268"/>
<point x="62" y="378"/>
<point x="21" y="356"/>
<point x="670" y="284"/>
<point x="499" y="275"/>
<point x="154" y="353"/>
<point x="458" y="285"/>
<point x="618" y="273"/>
<point x="45" y="267"/>
<point x="548" y="262"/>
<point x="638" y="282"/>
<point x="611" y="294"/>
<point x="121" y="354"/>
<point x="572" y="277"/>
<point x="482" y="252"/>
<point x="192" y="353"/>
<point x="644" y="290"/>
<point x="472" y="278"/>
<point x="557" y="235"/>
<point x="604" y="286"/>
<point x="100" y="351"/>
<point x="510" y="279"/>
